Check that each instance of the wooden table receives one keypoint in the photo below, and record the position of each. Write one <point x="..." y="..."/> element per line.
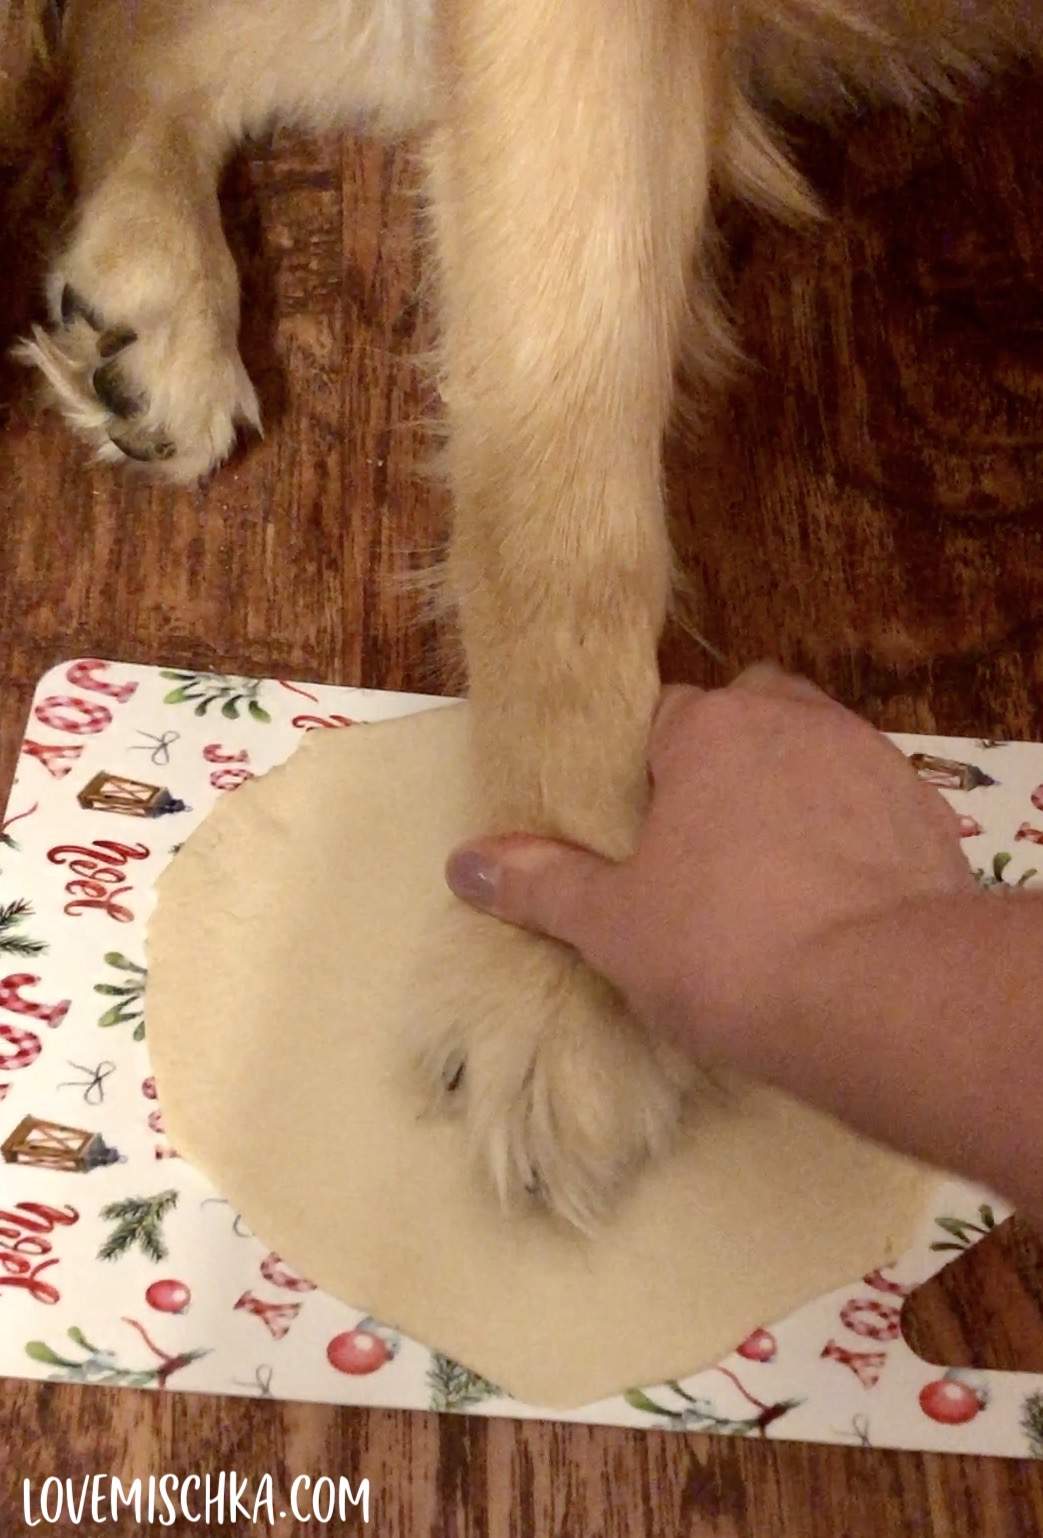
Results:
<point x="867" y="506"/>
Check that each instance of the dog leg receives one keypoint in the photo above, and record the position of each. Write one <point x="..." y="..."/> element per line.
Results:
<point x="569" y="181"/>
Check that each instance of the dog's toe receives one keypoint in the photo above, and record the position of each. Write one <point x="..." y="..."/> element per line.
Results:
<point x="115" y="394"/>
<point x="167" y="396"/>
<point x="142" y="448"/>
<point x="74" y="307"/>
<point x="114" y="340"/>
<point x="145" y="444"/>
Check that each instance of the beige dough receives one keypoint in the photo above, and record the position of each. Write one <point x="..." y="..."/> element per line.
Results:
<point x="279" y="1058"/>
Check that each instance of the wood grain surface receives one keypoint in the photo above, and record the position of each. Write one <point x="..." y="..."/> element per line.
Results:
<point x="867" y="505"/>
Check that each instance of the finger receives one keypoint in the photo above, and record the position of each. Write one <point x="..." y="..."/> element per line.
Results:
<point x="768" y="678"/>
<point x="536" y="883"/>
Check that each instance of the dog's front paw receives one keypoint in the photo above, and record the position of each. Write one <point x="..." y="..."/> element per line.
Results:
<point x="564" y="1094"/>
<point x="141" y="354"/>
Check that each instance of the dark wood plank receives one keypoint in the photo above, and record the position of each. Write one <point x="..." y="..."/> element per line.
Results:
<point x="983" y="1310"/>
<point x="866" y="506"/>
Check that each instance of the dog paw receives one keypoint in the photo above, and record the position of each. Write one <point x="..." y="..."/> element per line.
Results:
<point x="156" y="380"/>
<point x="564" y="1094"/>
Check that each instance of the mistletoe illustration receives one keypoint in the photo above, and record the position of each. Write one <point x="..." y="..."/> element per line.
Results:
<point x="1032" y="1422"/>
<point x="131" y="994"/>
<point x="696" y="1414"/>
<point x="139" y="1221"/>
<point x="454" y="1387"/>
<point x="206" y="689"/>
<point x="12" y="915"/>
<point x="996" y="877"/>
<point x="960" y="1230"/>
<point x="102" y="1366"/>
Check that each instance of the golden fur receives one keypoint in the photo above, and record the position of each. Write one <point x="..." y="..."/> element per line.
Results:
<point x="573" y="145"/>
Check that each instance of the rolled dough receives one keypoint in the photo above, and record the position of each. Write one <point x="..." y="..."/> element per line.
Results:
<point x="279" y="1059"/>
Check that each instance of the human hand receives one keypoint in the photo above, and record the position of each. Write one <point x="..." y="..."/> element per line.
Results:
<point x="777" y="819"/>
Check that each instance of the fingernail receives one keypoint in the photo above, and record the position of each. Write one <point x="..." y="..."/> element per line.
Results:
<point x="472" y="876"/>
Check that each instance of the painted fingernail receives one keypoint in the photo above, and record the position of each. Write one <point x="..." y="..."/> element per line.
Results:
<point x="472" y="876"/>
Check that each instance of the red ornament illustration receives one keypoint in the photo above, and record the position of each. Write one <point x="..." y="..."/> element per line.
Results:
<point x="168" y="1296"/>
<point x="761" y="1346"/>
<point x="954" y="1399"/>
<point x="364" y="1349"/>
<point x="148" y="1088"/>
<point x="356" y="1351"/>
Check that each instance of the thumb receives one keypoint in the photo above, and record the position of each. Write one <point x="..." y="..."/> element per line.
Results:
<point x="534" y="882"/>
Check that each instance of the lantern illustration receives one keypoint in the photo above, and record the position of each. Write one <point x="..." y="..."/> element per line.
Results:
<point x="131" y="798"/>
<point x="50" y="1145"/>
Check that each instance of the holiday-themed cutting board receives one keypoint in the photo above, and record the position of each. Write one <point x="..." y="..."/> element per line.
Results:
<point x="120" y="1265"/>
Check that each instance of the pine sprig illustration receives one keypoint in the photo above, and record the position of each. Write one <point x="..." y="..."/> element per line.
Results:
<point x="454" y="1387"/>
<point x="139" y="1221"/>
<point x="1032" y="1423"/>
<point x="11" y="944"/>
